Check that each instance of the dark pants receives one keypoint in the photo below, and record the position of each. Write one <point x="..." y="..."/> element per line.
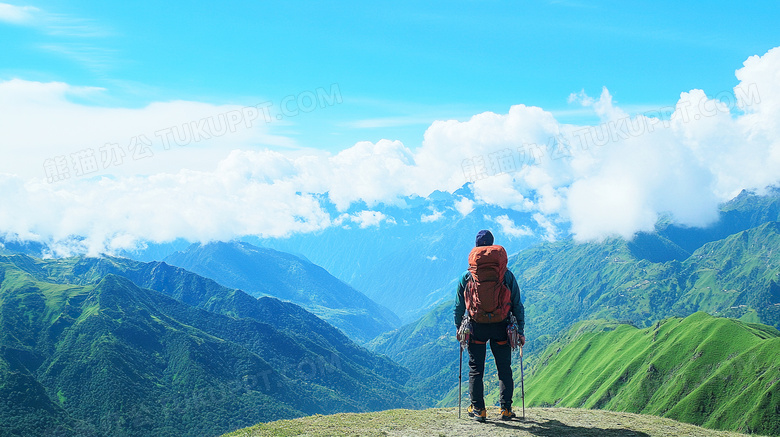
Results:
<point x="502" y="353"/>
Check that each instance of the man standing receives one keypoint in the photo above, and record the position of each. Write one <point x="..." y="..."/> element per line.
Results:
<point x="489" y="291"/>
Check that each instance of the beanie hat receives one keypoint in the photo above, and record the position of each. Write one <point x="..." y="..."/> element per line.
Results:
<point x="484" y="238"/>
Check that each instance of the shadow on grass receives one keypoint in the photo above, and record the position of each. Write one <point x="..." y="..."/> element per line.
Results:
<point x="555" y="428"/>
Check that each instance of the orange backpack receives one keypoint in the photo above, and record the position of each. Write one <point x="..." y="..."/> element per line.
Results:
<point x="488" y="300"/>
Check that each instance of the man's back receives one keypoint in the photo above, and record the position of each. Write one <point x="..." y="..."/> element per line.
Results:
<point x="486" y="298"/>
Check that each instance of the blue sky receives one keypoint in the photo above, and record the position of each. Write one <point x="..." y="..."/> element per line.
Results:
<point x="125" y="122"/>
<point x="401" y="64"/>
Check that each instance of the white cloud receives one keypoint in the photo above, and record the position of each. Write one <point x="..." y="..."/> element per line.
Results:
<point x="508" y="227"/>
<point x="41" y="122"/>
<point x="52" y="24"/>
<point x="550" y="230"/>
<point x="626" y="185"/>
<point x="602" y="106"/>
<point x="464" y="206"/>
<point x="17" y="14"/>
<point x="446" y="159"/>
<point x="598" y="208"/>
<point x="366" y="218"/>
<point x="432" y="217"/>
<point x="366" y="171"/>
<point x="119" y="213"/>
<point x="499" y="190"/>
<point x="614" y="178"/>
<point x="80" y="39"/>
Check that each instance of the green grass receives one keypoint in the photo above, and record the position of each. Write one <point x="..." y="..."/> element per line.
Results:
<point x="716" y="372"/>
<point x="61" y="397"/>
<point x="445" y="423"/>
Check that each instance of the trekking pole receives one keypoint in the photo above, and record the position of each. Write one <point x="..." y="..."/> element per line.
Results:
<point x="460" y="377"/>
<point x="464" y="332"/>
<point x="522" y="382"/>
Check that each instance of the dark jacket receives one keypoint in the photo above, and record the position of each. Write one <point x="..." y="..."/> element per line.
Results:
<point x="517" y="306"/>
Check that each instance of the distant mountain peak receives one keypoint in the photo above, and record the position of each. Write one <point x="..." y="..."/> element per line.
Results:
<point x="261" y="271"/>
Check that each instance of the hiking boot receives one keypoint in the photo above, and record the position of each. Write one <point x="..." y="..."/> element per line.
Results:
<point x="507" y="414"/>
<point x="480" y="415"/>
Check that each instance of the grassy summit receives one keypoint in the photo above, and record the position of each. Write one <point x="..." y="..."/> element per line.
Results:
<point x="445" y="423"/>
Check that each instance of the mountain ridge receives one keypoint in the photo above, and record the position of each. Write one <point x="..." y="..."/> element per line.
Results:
<point x="121" y="359"/>
<point x="268" y="272"/>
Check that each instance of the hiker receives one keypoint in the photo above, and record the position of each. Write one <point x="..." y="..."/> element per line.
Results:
<point x="491" y="301"/>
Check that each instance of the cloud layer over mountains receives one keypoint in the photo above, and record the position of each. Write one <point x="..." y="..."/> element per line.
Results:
<point x="68" y="168"/>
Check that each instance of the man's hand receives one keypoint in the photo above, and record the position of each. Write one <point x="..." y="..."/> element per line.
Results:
<point x="522" y="340"/>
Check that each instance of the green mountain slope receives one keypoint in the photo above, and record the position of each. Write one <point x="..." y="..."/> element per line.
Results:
<point x="267" y="272"/>
<point x="25" y="408"/>
<point x="715" y="372"/>
<point x="125" y="360"/>
<point x="427" y="346"/>
<point x="206" y="294"/>
<point x="106" y="355"/>
<point x="567" y="282"/>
